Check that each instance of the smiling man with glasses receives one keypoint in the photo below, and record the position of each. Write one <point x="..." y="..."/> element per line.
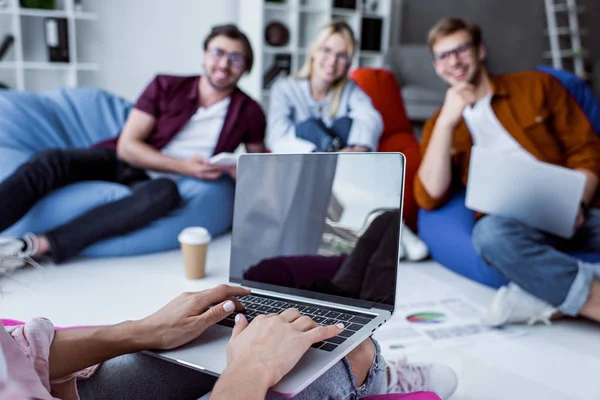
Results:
<point x="177" y="124"/>
<point x="528" y="115"/>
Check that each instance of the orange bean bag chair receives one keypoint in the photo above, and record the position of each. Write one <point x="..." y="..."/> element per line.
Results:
<point x="398" y="136"/>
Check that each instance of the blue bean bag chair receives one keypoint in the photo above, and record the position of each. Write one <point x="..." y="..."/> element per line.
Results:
<point x="447" y="230"/>
<point x="80" y="117"/>
<point x="581" y="92"/>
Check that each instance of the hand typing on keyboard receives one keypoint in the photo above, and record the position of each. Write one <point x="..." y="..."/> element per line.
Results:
<point x="262" y="305"/>
<point x="271" y="345"/>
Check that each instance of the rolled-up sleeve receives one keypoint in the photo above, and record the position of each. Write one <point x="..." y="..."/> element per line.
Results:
<point x="367" y="124"/>
<point x="281" y="130"/>
<point x="34" y="339"/>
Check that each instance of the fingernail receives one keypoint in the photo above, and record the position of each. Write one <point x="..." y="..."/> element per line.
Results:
<point x="229" y="306"/>
<point x="340" y="325"/>
<point x="237" y="318"/>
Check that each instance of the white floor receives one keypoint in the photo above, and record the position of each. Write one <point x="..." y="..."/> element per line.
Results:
<point x="557" y="362"/>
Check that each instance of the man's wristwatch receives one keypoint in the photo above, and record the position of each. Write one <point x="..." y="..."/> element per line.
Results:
<point x="585" y="208"/>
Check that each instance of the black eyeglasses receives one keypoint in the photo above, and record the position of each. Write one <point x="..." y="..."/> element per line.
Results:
<point x="460" y="52"/>
<point x="236" y="60"/>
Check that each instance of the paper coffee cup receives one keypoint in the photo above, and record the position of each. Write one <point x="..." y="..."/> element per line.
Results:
<point x="194" y="245"/>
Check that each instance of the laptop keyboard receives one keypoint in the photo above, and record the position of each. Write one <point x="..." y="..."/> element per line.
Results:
<point x="258" y="304"/>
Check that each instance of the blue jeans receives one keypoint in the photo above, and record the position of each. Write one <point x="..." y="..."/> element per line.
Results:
<point x="315" y="131"/>
<point x="338" y="382"/>
<point x="140" y="376"/>
<point x="538" y="262"/>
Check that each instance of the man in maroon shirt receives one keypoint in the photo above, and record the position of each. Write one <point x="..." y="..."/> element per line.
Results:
<point x="176" y="125"/>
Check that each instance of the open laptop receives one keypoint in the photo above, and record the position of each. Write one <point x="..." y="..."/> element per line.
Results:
<point x="541" y="195"/>
<point x="285" y="249"/>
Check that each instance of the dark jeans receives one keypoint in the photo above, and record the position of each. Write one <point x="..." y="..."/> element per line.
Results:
<point x="326" y="139"/>
<point x="54" y="169"/>
<point x="140" y="376"/>
<point x="368" y="273"/>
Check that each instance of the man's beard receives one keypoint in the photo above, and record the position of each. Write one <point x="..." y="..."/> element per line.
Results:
<point x="220" y="88"/>
<point x="477" y="74"/>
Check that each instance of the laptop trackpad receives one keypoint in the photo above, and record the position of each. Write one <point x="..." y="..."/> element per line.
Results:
<point x="206" y="353"/>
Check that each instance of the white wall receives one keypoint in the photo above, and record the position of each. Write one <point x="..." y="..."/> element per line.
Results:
<point x="134" y="39"/>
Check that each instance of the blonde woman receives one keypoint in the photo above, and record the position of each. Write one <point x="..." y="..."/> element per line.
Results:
<point x="320" y="109"/>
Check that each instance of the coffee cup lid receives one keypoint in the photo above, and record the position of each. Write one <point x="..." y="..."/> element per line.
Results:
<point x="194" y="235"/>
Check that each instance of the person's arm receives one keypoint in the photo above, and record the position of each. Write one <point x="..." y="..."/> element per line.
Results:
<point x="256" y="148"/>
<point x="367" y="124"/>
<point x="576" y="135"/>
<point x="591" y="185"/>
<point x="77" y="349"/>
<point x="131" y="146"/>
<point x="281" y="131"/>
<point x="589" y="193"/>
<point x="181" y="320"/>
<point x="435" y="171"/>
<point x="434" y="177"/>
<point x="133" y="149"/>
<point x="237" y="379"/>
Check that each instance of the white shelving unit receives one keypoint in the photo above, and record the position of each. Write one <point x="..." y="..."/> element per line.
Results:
<point x="26" y="65"/>
<point x="303" y="18"/>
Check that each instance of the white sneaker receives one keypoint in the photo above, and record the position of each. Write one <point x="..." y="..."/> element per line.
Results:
<point x="17" y="252"/>
<point x="416" y="249"/>
<point x="401" y="252"/>
<point x="408" y="378"/>
<point x="513" y="305"/>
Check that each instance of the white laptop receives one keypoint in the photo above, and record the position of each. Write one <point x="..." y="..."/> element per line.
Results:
<point x="541" y="195"/>
<point x="283" y="250"/>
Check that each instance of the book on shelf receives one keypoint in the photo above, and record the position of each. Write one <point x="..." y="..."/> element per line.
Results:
<point x="57" y="39"/>
<point x="347" y="4"/>
<point x="6" y="45"/>
<point x="371" y="31"/>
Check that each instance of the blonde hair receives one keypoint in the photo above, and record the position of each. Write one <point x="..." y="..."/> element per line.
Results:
<point x="345" y="31"/>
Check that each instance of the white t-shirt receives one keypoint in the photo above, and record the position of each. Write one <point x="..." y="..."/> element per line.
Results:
<point x="198" y="137"/>
<point x="488" y="132"/>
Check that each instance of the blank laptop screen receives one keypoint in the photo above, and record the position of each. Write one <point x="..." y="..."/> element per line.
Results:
<point x="323" y="226"/>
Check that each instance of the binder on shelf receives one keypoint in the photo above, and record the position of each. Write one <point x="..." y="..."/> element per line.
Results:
<point x="39" y="4"/>
<point x="57" y="39"/>
<point x="281" y="67"/>
<point x="371" y="34"/>
<point x="6" y="45"/>
<point x="348" y="4"/>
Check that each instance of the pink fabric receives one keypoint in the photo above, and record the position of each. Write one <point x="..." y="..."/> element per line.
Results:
<point x="13" y="322"/>
<point x="408" y="396"/>
<point x="24" y="383"/>
<point x="26" y="348"/>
